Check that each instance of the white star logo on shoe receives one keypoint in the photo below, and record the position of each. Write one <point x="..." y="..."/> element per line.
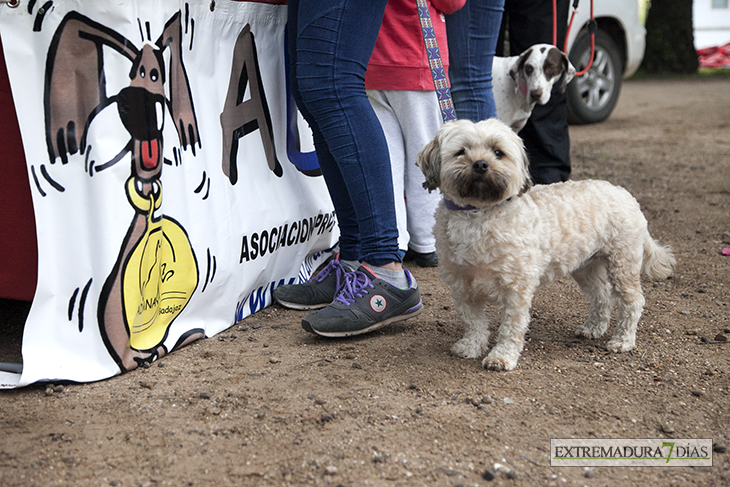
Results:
<point x="377" y="302"/>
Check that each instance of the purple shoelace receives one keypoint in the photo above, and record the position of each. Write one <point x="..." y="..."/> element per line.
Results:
<point x="353" y="286"/>
<point x="339" y="270"/>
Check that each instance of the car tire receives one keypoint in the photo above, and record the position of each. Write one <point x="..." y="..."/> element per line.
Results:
<point x="592" y="97"/>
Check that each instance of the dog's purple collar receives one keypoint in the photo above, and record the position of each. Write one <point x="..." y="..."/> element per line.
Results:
<point x="450" y="205"/>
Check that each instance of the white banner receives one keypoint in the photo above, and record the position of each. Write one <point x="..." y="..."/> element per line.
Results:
<point x="167" y="204"/>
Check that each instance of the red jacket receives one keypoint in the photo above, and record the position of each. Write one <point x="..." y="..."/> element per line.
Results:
<point x="399" y="59"/>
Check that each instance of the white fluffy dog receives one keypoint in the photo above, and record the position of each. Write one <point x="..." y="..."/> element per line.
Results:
<point x="499" y="239"/>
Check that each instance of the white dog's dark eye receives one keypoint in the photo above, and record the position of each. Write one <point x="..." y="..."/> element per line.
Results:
<point x="461" y="152"/>
<point x="498" y="153"/>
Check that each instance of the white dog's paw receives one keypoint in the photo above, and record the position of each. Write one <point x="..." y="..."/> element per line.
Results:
<point x="590" y="330"/>
<point x="468" y="348"/>
<point x="620" y="345"/>
<point x="499" y="361"/>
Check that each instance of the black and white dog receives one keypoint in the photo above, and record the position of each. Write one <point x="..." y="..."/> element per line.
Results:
<point x="521" y="82"/>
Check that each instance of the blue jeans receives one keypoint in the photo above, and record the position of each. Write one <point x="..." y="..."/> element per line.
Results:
<point x="472" y="34"/>
<point x="330" y="43"/>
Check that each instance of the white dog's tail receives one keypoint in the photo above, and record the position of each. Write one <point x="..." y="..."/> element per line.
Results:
<point x="659" y="260"/>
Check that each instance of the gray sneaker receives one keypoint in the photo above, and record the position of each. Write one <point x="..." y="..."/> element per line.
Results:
<point x="317" y="292"/>
<point x="365" y="303"/>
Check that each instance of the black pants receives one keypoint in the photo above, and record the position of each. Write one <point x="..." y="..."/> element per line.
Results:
<point x="546" y="134"/>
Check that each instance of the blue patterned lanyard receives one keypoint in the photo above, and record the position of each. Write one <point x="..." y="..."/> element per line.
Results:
<point x="438" y="72"/>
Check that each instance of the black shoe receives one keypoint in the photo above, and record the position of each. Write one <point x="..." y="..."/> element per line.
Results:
<point x="429" y="259"/>
<point x="317" y="292"/>
<point x="365" y="303"/>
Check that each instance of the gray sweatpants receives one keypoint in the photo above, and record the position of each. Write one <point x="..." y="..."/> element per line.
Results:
<point x="410" y="119"/>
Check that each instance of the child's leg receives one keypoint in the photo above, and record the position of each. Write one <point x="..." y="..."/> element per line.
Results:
<point x="419" y="117"/>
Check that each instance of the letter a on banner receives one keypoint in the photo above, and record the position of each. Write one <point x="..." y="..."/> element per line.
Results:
<point x="239" y="117"/>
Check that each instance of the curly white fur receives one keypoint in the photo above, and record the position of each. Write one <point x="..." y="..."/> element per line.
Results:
<point x="508" y="239"/>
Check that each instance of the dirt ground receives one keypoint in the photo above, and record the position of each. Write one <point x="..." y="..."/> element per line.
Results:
<point x="267" y="404"/>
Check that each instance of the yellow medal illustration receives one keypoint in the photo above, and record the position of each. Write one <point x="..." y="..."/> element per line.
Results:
<point x="160" y="275"/>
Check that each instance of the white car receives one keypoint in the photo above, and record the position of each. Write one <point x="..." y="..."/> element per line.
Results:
<point x="619" y="50"/>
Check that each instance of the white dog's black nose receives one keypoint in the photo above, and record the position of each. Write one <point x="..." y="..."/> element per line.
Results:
<point x="480" y="166"/>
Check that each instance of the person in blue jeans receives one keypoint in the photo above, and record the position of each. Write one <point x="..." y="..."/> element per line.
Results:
<point x="472" y="34"/>
<point x="365" y="287"/>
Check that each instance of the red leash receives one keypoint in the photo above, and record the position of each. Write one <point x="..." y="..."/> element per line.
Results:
<point x="592" y="25"/>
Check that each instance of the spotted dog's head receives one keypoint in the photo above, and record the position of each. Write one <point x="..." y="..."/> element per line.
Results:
<point x="537" y="69"/>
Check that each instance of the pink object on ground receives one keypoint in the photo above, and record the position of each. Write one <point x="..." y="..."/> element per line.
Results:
<point x="715" y="57"/>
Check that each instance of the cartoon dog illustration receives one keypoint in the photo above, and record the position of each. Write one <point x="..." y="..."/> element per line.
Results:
<point x="156" y="271"/>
